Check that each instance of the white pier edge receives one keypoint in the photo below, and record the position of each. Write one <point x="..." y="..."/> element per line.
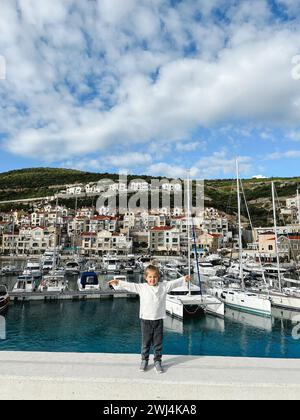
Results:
<point x="74" y="376"/>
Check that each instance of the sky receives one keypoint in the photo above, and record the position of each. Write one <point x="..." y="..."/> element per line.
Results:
<point x="153" y="87"/>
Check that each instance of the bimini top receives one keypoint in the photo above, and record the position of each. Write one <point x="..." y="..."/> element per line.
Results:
<point x="89" y="278"/>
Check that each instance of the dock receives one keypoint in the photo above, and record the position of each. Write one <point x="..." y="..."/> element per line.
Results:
<point x="101" y="376"/>
<point x="70" y="295"/>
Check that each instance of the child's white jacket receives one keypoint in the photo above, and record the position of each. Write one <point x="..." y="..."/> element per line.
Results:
<point x="152" y="298"/>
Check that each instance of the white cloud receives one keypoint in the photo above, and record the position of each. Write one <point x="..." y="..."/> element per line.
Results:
<point x="129" y="160"/>
<point x="289" y="154"/>
<point x="221" y="163"/>
<point x="293" y="136"/>
<point x="216" y="165"/>
<point x="191" y="146"/>
<point x="82" y="77"/>
<point x="171" y="171"/>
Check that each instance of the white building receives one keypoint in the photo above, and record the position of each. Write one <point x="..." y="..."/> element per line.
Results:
<point x="164" y="239"/>
<point x="29" y="241"/>
<point x="75" y="190"/>
<point x="109" y="223"/>
<point x="172" y="187"/>
<point x="105" y="242"/>
<point x="139" y="186"/>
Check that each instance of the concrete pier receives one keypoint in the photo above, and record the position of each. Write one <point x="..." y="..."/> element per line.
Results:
<point x="69" y="295"/>
<point x="75" y="376"/>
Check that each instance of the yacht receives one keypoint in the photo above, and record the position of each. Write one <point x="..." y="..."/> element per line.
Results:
<point x="111" y="264"/>
<point x="285" y="299"/>
<point x="25" y="283"/>
<point x="171" y="270"/>
<point x="47" y="265"/>
<point x="53" y="283"/>
<point x="243" y="300"/>
<point x="88" y="280"/>
<point x="9" y="270"/>
<point x="214" y="259"/>
<point x="206" y="269"/>
<point x="72" y="267"/>
<point x="50" y="260"/>
<point x="33" y="268"/>
<point x="4" y="299"/>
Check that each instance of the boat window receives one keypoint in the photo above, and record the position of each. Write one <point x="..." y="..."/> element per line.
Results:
<point x="91" y="280"/>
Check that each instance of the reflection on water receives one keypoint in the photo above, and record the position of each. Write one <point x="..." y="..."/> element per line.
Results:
<point x="248" y="319"/>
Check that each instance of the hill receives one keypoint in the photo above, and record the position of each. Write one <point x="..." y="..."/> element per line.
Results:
<point x="221" y="194"/>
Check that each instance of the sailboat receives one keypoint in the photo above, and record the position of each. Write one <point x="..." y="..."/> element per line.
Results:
<point x="280" y="297"/>
<point x="189" y="301"/>
<point x="239" y="298"/>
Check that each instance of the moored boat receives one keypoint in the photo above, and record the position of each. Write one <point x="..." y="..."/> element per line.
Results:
<point x="183" y="302"/>
<point x="4" y="299"/>
<point x="25" y="283"/>
<point x="88" y="280"/>
<point x="53" y="283"/>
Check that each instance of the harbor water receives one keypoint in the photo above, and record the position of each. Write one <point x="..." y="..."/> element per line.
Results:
<point x="112" y="326"/>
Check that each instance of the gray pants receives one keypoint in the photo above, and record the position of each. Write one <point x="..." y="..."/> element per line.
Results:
<point x="152" y="334"/>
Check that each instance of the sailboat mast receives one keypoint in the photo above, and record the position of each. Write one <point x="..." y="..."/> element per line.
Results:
<point x="56" y="234"/>
<point x="189" y="228"/>
<point x="239" y="223"/>
<point x="276" y="236"/>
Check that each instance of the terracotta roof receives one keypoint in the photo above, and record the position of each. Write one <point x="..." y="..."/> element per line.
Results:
<point x="161" y="228"/>
<point x="104" y="218"/>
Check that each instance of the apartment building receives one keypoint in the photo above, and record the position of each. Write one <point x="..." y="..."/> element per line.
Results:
<point x="165" y="239"/>
<point x="105" y="242"/>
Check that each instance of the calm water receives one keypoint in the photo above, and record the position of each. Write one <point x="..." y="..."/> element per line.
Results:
<point x="113" y="326"/>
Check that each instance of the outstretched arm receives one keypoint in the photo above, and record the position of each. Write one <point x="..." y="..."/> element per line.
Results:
<point x="131" y="287"/>
<point x="177" y="283"/>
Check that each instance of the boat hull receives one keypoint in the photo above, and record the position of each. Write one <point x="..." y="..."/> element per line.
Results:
<point x="246" y="302"/>
<point x="286" y="302"/>
<point x="184" y="307"/>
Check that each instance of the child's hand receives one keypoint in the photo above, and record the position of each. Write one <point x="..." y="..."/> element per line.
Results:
<point x="188" y="278"/>
<point x="113" y="282"/>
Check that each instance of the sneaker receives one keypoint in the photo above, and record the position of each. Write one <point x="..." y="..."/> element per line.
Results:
<point x="144" y="365"/>
<point x="158" y="367"/>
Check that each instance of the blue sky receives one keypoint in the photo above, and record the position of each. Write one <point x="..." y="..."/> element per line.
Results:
<point x="151" y="86"/>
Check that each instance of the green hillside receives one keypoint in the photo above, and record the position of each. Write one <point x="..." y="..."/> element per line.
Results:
<point x="221" y="194"/>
